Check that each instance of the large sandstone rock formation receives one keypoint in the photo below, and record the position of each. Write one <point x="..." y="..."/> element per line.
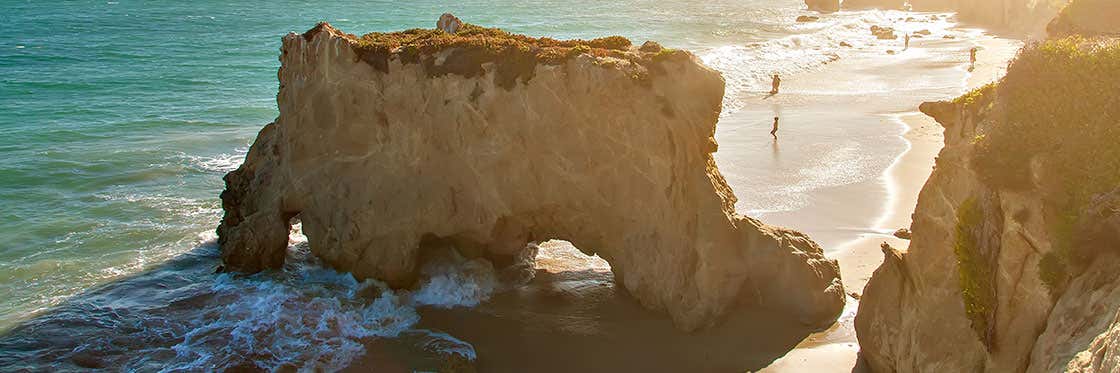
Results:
<point x="392" y="143"/>
<point x="1016" y="237"/>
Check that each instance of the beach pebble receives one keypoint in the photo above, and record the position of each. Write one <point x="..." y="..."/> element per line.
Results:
<point x="449" y="23"/>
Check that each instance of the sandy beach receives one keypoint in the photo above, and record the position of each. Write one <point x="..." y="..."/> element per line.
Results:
<point x="837" y="349"/>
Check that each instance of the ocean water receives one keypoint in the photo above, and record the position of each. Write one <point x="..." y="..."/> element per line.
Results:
<point x="119" y="119"/>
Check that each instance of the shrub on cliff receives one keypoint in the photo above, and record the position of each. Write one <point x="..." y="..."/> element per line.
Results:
<point x="1059" y="119"/>
<point x="1061" y="107"/>
<point x="974" y="272"/>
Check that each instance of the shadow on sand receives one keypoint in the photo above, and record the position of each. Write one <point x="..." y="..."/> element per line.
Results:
<point x="580" y="321"/>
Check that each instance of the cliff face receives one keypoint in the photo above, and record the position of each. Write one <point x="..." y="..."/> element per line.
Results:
<point x="1087" y="17"/>
<point x="389" y="144"/>
<point x="1016" y="236"/>
<point x="1018" y="15"/>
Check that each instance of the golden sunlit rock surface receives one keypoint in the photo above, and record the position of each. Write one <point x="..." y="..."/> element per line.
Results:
<point x="391" y="143"/>
<point x="1016" y="237"/>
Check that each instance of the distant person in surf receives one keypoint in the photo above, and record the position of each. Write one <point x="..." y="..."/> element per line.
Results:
<point x="907" y="42"/>
<point x="775" y="83"/>
<point x="774" y="132"/>
<point x="972" y="56"/>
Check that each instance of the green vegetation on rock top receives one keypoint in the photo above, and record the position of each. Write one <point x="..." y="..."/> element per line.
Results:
<point x="515" y="56"/>
<point x="1061" y="106"/>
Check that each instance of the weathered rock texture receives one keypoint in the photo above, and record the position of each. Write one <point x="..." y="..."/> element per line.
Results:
<point x="392" y="143"/>
<point x="1009" y="268"/>
<point x="823" y="6"/>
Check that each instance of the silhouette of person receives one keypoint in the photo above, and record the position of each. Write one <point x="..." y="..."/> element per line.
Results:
<point x="972" y="55"/>
<point x="776" y="82"/>
<point x="907" y="41"/>
<point x="774" y="132"/>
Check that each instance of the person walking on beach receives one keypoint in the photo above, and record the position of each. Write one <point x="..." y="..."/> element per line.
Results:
<point x="907" y="42"/>
<point x="972" y="56"/>
<point x="774" y="132"/>
<point x="775" y="83"/>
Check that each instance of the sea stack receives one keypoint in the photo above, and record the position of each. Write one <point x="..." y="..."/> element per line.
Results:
<point x="391" y="143"/>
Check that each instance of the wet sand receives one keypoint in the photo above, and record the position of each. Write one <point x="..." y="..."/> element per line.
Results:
<point x="836" y="350"/>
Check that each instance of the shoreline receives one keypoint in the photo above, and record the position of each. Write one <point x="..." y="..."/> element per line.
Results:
<point x="903" y="181"/>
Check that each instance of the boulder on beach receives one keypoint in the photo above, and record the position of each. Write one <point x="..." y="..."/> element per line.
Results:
<point x="823" y="6"/>
<point x="883" y="33"/>
<point x="902" y="233"/>
<point x="390" y="145"/>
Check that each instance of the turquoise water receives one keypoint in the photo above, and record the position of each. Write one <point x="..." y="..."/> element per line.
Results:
<point x="119" y="119"/>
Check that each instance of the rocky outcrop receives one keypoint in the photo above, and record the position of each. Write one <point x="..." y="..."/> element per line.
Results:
<point x="1017" y="15"/>
<point x="449" y="23"/>
<point x="1016" y="238"/>
<point x="873" y="4"/>
<point x="823" y="6"/>
<point x="1088" y="18"/>
<point x="390" y="144"/>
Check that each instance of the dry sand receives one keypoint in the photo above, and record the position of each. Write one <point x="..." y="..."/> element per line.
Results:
<point x="836" y="350"/>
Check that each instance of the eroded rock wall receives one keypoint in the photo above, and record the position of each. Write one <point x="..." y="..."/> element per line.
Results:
<point x="382" y="159"/>
<point x="1010" y="267"/>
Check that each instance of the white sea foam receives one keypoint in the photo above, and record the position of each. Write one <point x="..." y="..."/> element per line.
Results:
<point x="219" y="163"/>
<point x="747" y="69"/>
<point x="454" y="281"/>
<point x="314" y="318"/>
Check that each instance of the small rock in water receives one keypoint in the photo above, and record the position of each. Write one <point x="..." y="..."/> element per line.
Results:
<point x="891" y="51"/>
<point x="808" y="19"/>
<point x="902" y="233"/>
<point x="845" y="44"/>
<point x="923" y="32"/>
<point x="449" y="23"/>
